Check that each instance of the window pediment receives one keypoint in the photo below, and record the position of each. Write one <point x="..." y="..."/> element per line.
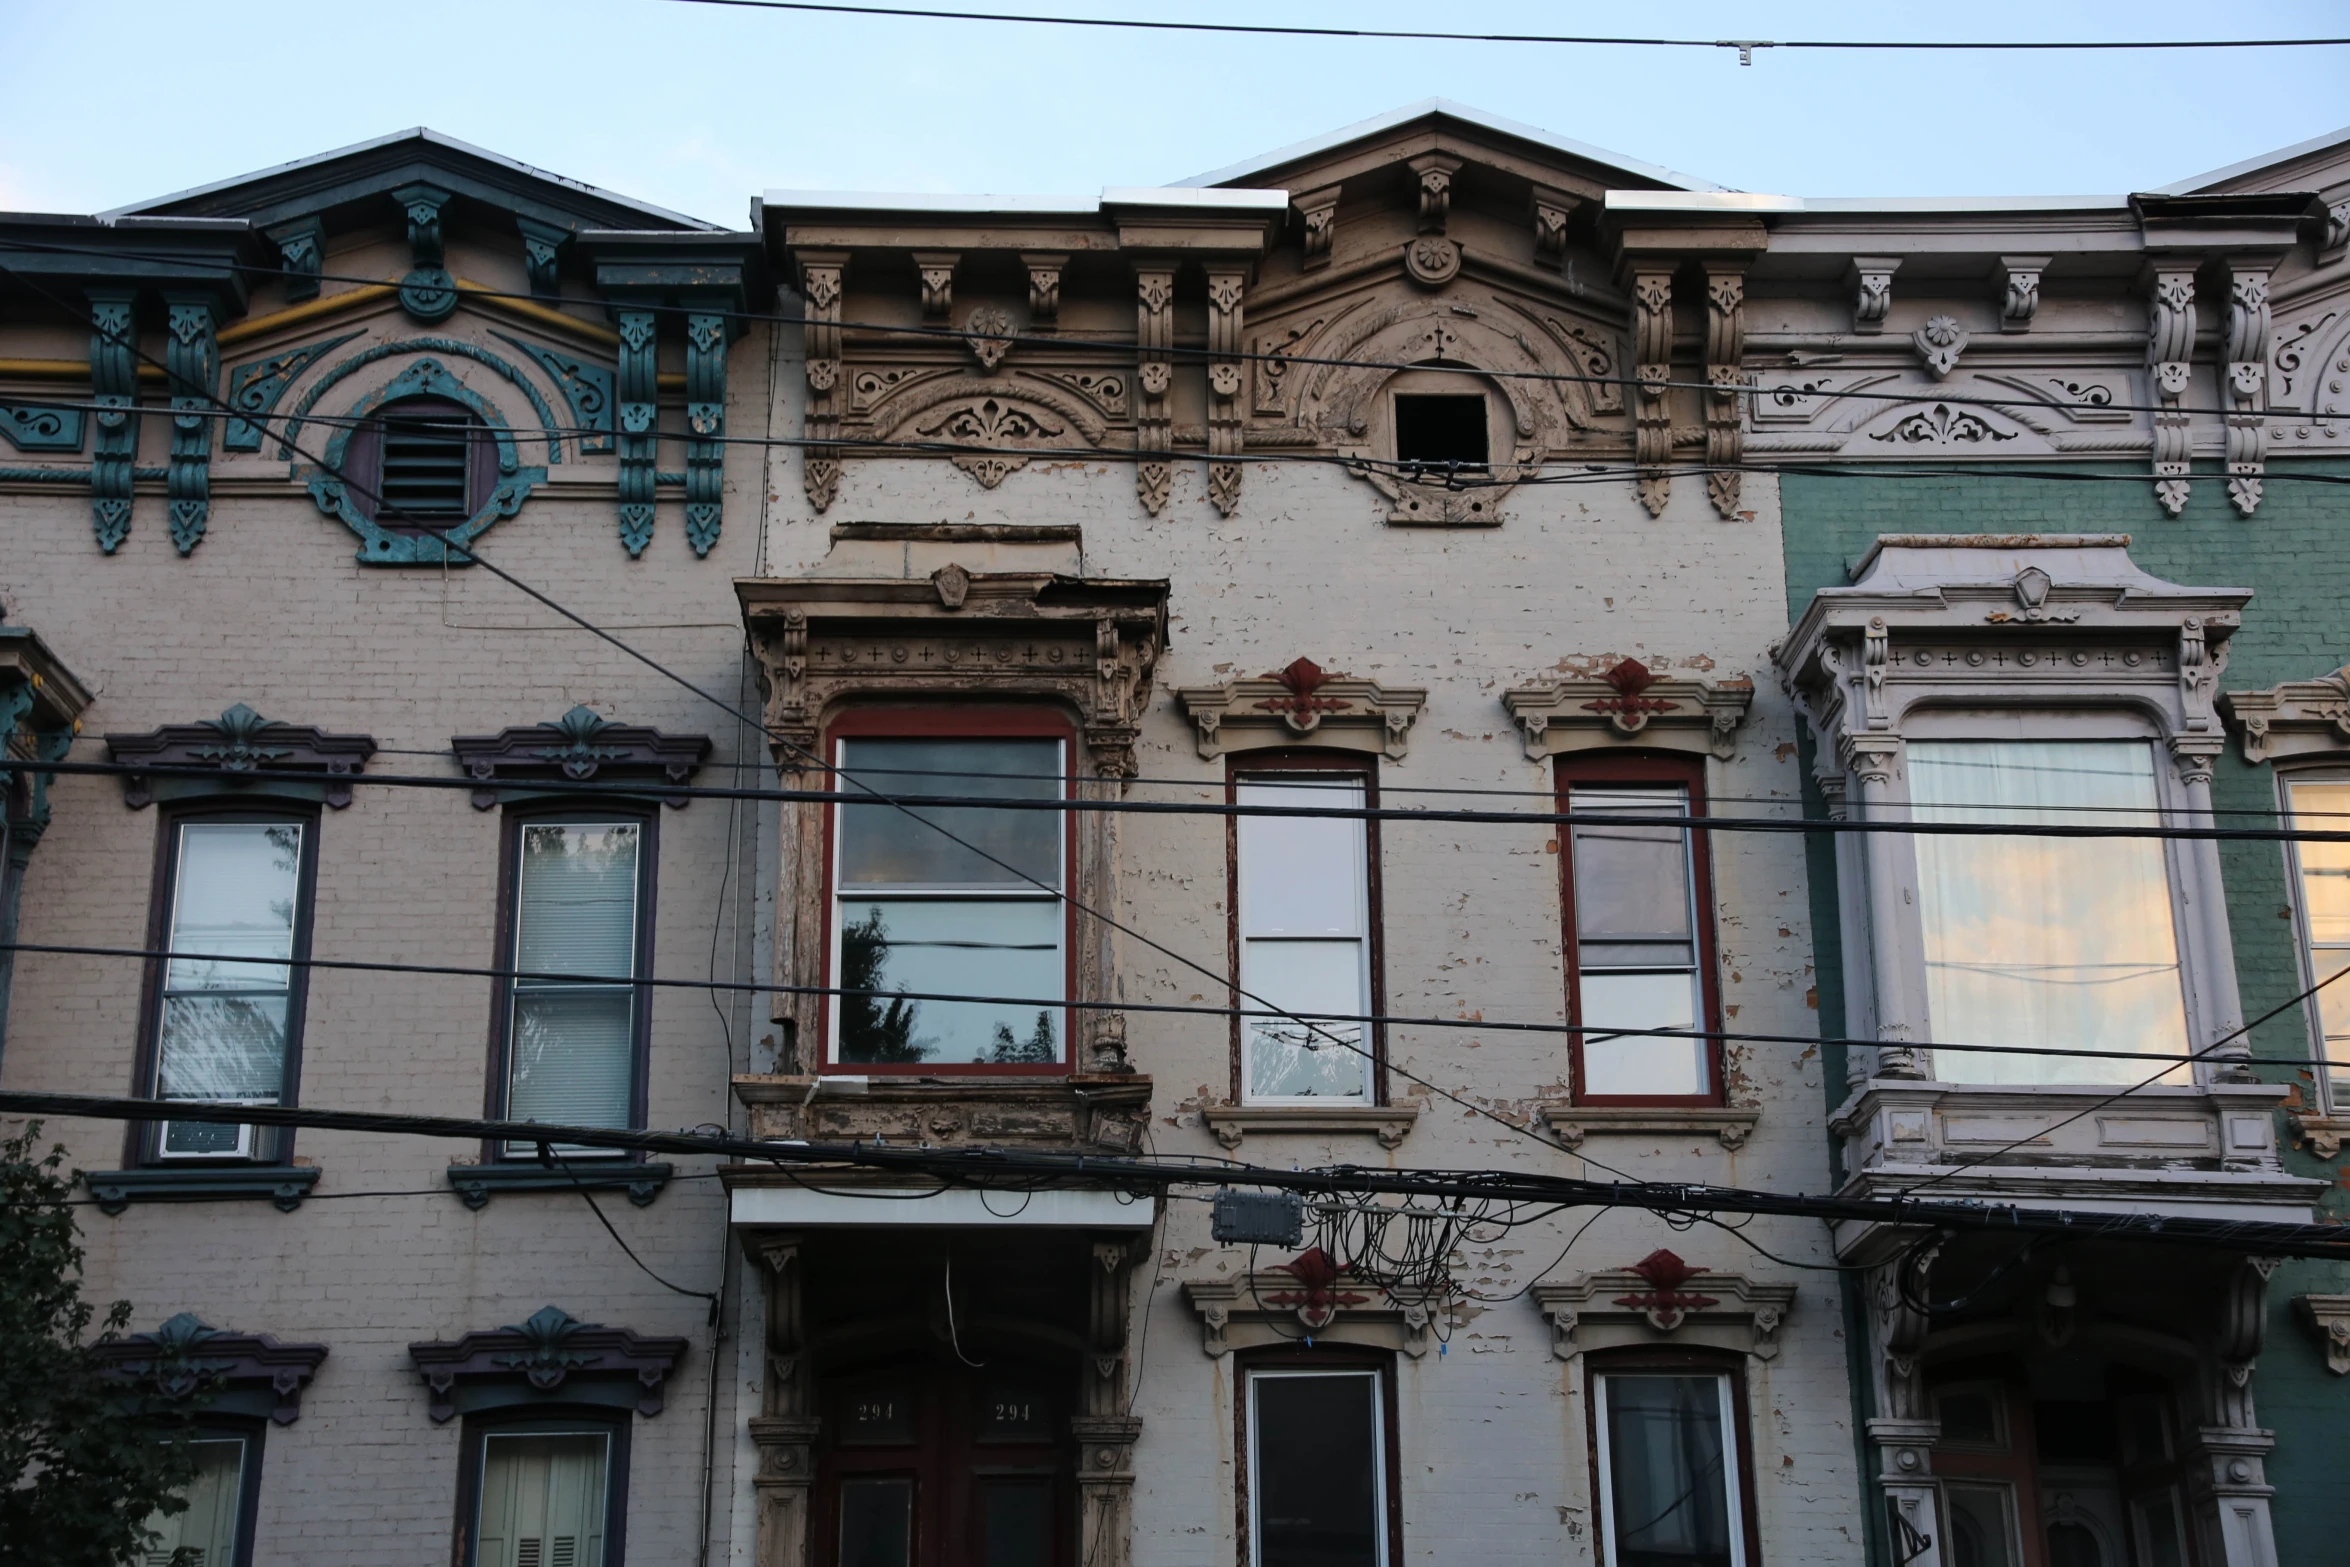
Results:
<point x="1303" y="704"/>
<point x="248" y="753"/>
<point x="2293" y="718"/>
<point x="581" y="747"/>
<point x="1661" y="1300"/>
<point x="1629" y="704"/>
<point x="240" y="1373"/>
<point x="550" y="1357"/>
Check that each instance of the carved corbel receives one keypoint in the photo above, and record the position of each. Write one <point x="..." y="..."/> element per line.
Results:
<point x="191" y="365"/>
<point x="821" y="277"/>
<point x="301" y="249"/>
<point x="2293" y="717"/>
<point x="1551" y="210"/>
<point x="1319" y="210"/>
<point x="1435" y="171"/>
<point x="2237" y="1342"/>
<point x="705" y="420"/>
<point x="114" y="392"/>
<point x="2337" y="234"/>
<point x="2018" y="281"/>
<point x="428" y="292"/>
<point x="638" y="419"/>
<point x="1044" y="289"/>
<point x="1652" y="352"/>
<point x="1871" y="280"/>
<point x="1725" y="383"/>
<point x="542" y="254"/>
<point x="937" y="271"/>
<point x="2170" y="339"/>
<point x="1939" y="343"/>
<point x="1226" y="427"/>
<point x="1154" y="430"/>
<point x="2330" y="1316"/>
<point x="2245" y="384"/>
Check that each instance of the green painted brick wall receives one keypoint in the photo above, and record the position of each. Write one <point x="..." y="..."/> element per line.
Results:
<point x="2295" y="555"/>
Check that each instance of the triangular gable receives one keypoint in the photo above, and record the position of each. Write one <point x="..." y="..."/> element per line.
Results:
<point x="2321" y="164"/>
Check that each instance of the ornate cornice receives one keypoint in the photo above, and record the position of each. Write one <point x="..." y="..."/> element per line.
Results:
<point x="1302" y="703"/>
<point x="1311" y="1297"/>
<point x="244" y="748"/>
<point x="1629" y="704"/>
<point x="551" y="1355"/>
<point x="1659" y="1300"/>
<point x="581" y="747"/>
<point x="185" y="1358"/>
<point x="2293" y="718"/>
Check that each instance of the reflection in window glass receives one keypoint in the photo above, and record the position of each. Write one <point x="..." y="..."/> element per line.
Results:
<point x="1318" y="1469"/>
<point x="1668" y="1472"/>
<point x="917" y="911"/>
<point x="573" y="1047"/>
<point x="2064" y="942"/>
<point x="877" y="1523"/>
<point x="542" y="1500"/>
<point x="207" y="1530"/>
<point x="1636" y="944"/>
<point x="1981" y="1524"/>
<point x="2325" y="916"/>
<point x="1305" y="938"/>
<point x="236" y="888"/>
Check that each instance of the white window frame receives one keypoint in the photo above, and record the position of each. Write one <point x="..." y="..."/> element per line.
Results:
<point x="1733" y="1454"/>
<point x="2332" y="1103"/>
<point x="517" y="988"/>
<point x="1380" y="1438"/>
<point x="481" y="1476"/>
<point x="1365" y="989"/>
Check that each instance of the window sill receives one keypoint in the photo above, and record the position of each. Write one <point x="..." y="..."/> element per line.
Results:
<point x="476" y="1184"/>
<point x="1572" y="1122"/>
<point x="283" y="1185"/>
<point x="2321" y="1134"/>
<point x="1391" y="1124"/>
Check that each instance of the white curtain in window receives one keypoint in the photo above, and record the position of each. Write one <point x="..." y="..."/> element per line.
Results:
<point x="1305" y="939"/>
<point x="573" y="1045"/>
<point x="2058" y="942"/>
<point x="207" y="1530"/>
<point x="2325" y="916"/>
<point x="542" y="1501"/>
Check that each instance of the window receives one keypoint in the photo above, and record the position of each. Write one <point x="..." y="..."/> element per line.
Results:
<point x="1669" y="1469"/>
<point x="1640" y="931"/>
<point x="235" y="899"/>
<point x="574" y="1020"/>
<point x="1303" y="919"/>
<point x="2318" y="804"/>
<point x="216" y="1527"/>
<point x="953" y="900"/>
<point x="2067" y="942"/>
<point x="421" y="464"/>
<point x="1319" y="1468"/>
<point x="1441" y="429"/>
<point x="544" y="1494"/>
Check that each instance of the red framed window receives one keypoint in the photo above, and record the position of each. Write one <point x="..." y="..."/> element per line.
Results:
<point x="964" y="900"/>
<point x="1671" y="1463"/>
<point x="1305" y="930"/>
<point x="1638" y="902"/>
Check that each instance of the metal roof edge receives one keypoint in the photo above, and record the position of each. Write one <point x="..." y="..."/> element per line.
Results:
<point x="2199" y="182"/>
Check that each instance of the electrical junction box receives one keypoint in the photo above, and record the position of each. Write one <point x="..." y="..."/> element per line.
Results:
<point x="1258" y="1218"/>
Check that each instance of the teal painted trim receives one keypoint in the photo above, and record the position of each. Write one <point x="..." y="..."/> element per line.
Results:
<point x="379" y="547"/>
<point x="255" y="389"/>
<point x="301" y="246"/>
<point x="639" y="416"/>
<point x="424" y="345"/>
<point x="191" y="367"/>
<point x="283" y="1185"/>
<point x="705" y="419"/>
<point x="476" y="1184"/>
<point x="428" y="292"/>
<point x="68" y="475"/>
<point x="33" y="427"/>
<point x="114" y="388"/>
<point x="586" y="387"/>
<point x="542" y="254"/>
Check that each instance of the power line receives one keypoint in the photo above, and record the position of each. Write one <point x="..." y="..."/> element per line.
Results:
<point x="1593" y="1033"/>
<point x="1744" y="46"/>
<point x="988" y="1167"/>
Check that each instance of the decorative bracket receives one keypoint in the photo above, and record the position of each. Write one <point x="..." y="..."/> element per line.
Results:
<point x="937" y="270"/>
<point x="2018" y="282"/>
<point x="1550" y="211"/>
<point x="1226" y="427"/>
<point x="821" y="274"/>
<point x="1044" y="289"/>
<point x="1661" y="1298"/>
<point x="1629" y="702"/>
<point x="2170" y="339"/>
<point x="1725" y="385"/>
<point x="428" y="292"/>
<point x="2330" y="1315"/>
<point x="542" y="254"/>
<point x="2244" y="384"/>
<point x="1652" y="352"/>
<point x="191" y="367"/>
<point x="1319" y="210"/>
<point x="1871" y="280"/>
<point x="1435" y="171"/>
<point x="552" y="1354"/>
<point x="114" y="393"/>
<point x="640" y="415"/>
<point x="301" y="249"/>
<point x="1154" y="378"/>
<point x="705" y="419"/>
<point x="2293" y="718"/>
<point x="234" y="1372"/>
<point x="581" y="747"/>
<point x="1303" y="702"/>
<point x="244" y="749"/>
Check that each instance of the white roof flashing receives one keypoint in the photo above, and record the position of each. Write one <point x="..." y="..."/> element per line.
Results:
<point x="1699" y="201"/>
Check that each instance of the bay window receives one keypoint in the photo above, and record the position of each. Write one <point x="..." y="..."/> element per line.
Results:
<point x="1303" y="923"/>
<point x="1667" y="1446"/>
<point x="2322" y="804"/>
<point x="953" y="900"/>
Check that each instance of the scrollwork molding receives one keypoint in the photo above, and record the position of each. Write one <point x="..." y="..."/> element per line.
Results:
<point x="1662" y="1300"/>
<point x="1302" y="703"/>
<point x="1629" y="704"/>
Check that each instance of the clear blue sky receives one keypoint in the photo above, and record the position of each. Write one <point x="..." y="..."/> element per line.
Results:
<point x="104" y="102"/>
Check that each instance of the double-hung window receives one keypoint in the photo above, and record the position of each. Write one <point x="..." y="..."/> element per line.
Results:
<point x="2064" y="941"/>
<point x="1304" y="895"/>
<point x="543" y="1497"/>
<point x="961" y="900"/>
<point x="1667" y="1447"/>
<point x="1318" y="1468"/>
<point x="1640" y="932"/>
<point x="215" y="1528"/>
<point x="227" y="1021"/>
<point x="2323" y="869"/>
<point x="574" y="1014"/>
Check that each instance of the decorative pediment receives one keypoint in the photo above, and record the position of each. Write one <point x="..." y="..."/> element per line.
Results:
<point x="1662" y="1300"/>
<point x="1308" y="1298"/>
<point x="1629" y="704"/>
<point x="241" y="749"/>
<point x="581" y="747"/>
<point x="551" y="1358"/>
<point x="1303" y="704"/>
<point x="238" y="1373"/>
<point x="2293" y="718"/>
<point x="2330" y="1316"/>
<point x="1087" y="644"/>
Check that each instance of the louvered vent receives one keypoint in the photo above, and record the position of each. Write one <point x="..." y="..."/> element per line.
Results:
<point x="424" y="456"/>
<point x="526" y="1551"/>
<point x="566" y="1552"/>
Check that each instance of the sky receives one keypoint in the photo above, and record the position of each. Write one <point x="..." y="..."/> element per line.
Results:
<point x="698" y="107"/>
